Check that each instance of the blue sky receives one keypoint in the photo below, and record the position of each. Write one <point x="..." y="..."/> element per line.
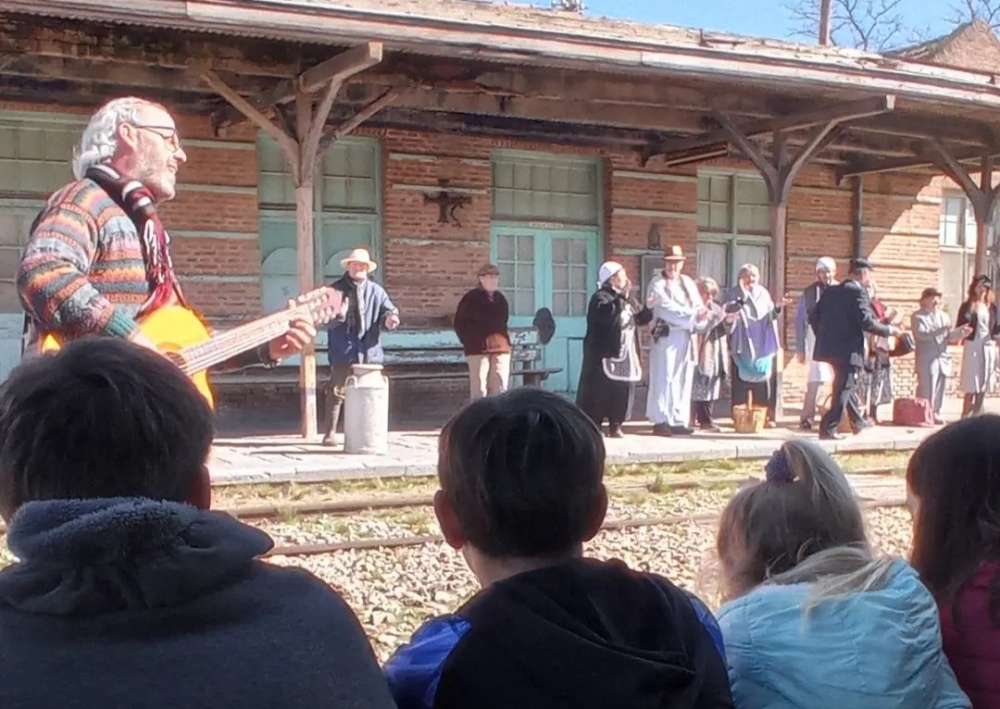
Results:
<point x="759" y="18"/>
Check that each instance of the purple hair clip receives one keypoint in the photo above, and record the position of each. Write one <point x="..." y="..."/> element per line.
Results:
<point x="777" y="469"/>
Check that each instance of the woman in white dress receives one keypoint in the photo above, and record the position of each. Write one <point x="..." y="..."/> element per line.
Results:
<point x="979" y="353"/>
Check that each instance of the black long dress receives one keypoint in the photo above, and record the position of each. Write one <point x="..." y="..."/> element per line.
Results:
<point x="600" y="397"/>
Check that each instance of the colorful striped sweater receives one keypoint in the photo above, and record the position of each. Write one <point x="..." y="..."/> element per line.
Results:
<point x="83" y="271"/>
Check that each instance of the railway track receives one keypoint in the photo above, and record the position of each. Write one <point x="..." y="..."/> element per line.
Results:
<point x="299" y="550"/>
<point x="296" y="509"/>
<point x="276" y="510"/>
<point x="321" y="507"/>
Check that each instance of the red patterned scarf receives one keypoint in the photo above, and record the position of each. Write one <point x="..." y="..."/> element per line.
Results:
<point x="138" y="203"/>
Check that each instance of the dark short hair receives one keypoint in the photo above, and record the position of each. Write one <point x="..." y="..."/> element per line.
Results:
<point x="101" y="418"/>
<point x="955" y="473"/>
<point x="522" y="472"/>
<point x="861" y="264"/>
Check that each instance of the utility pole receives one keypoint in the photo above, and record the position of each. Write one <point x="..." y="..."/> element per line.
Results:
<point x="825" y="10"/>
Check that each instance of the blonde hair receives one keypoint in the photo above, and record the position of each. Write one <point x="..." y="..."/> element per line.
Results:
<point x="802" y="524"/>
<point x="708" y="284"/>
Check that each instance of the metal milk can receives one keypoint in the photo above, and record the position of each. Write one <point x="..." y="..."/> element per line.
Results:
<point x="366" y="411"/>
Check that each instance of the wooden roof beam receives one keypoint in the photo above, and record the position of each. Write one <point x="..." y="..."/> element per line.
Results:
<point x="839" y="114"/>
<point x="921" y="158"/>
<point x="335" y="70"/>
<point x="114" y="74"/>
<point x="966" y="131"/>
<point x="564" y="110"/>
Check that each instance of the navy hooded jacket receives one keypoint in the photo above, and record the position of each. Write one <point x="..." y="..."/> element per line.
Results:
<point x="136" y="604"/>
<point x="582" y="635"/>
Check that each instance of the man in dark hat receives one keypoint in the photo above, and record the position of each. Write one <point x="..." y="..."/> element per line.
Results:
<point x="841" y="319"/>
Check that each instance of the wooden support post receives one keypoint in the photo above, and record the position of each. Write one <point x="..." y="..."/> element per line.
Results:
<point x="779" y="172"/>
<point x="982" y="197"/>
<point x="303" y="152"/>
<point x="857" y="215"/>
<point x="305" y="183"/>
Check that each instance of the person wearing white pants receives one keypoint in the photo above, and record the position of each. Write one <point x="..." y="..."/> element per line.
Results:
<point x="820" y="373"/>
<point x="481" y="326"/>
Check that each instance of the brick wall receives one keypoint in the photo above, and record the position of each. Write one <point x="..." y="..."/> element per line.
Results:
<point x="427" y="266"/>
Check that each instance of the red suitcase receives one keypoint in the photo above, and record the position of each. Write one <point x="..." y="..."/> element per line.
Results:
<point x="912" y="412"/>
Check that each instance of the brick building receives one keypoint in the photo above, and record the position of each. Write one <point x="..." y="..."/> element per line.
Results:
<point x="574" y="140"/>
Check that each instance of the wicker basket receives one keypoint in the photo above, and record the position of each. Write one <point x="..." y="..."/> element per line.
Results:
<point x="749" y="418"/>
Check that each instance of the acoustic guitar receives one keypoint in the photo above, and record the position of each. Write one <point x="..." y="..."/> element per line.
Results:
<point x="183" y="336"/>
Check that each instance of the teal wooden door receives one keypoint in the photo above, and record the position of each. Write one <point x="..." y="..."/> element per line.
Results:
<point x="555" y="269"/>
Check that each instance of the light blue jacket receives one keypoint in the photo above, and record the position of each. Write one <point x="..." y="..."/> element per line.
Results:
<point x="877" y="649"/>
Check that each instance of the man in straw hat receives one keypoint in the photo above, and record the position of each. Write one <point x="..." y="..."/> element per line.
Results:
<point x="820" y="373"/>
<point x="354" y="336"/>
<point x="678" y="313"/>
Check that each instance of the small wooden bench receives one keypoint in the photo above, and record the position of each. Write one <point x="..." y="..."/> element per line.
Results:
<point x="413" y="354"/>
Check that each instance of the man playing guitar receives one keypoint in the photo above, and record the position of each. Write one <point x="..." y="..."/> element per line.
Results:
<point x="98" y="258"/>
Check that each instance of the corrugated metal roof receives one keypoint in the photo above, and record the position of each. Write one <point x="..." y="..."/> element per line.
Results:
<point x="474" y="15"/>
<point x="516" y="34"/>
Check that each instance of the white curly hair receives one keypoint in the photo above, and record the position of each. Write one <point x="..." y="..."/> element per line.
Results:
<point x="100" y="138"/>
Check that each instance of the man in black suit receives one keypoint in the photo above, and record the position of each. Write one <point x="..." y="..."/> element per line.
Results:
<point x="840" y="320"/>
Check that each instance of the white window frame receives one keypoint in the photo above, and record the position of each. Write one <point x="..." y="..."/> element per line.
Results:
<point x="734" y="237"/>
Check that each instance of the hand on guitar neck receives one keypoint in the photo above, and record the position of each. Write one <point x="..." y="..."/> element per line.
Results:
<point x="301" y="332"/>
<point x="181" y="336"/>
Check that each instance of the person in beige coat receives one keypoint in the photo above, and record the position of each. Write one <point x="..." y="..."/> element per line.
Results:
<point x="932" y="333"/>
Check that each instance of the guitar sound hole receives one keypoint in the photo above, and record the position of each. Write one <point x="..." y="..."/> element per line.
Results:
<point x="176" y="358"/>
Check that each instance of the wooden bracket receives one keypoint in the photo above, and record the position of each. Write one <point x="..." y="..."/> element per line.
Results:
<point x="448" y="203"/>
<point x="286" y="142"/>
<point x="336" y="70"/>
<point x="982" y="197"/>
<point x="331" y="136"/>
<point x="712" y="143"/>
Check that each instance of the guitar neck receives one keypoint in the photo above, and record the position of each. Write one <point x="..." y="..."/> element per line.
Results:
<point x="221" y="347"/>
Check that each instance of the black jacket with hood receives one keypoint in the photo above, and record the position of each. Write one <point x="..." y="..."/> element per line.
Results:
<point x="583" y="635"/>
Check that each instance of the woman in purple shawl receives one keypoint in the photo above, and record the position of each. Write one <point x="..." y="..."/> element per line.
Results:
<point x="753" y="341"/>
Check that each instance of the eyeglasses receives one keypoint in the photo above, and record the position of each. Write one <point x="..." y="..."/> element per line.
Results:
<point x="169" y="135"/>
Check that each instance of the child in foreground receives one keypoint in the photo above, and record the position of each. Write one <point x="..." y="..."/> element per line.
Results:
<point x="953" y="484"/>
<point x="814" y="619"/>
<point x="521" y="491"/>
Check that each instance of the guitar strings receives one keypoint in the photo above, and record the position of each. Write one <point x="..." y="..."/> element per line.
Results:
<point x="196" y="358"/>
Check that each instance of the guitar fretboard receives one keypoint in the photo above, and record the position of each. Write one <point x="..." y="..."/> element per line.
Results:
<point x="230" y="343"/>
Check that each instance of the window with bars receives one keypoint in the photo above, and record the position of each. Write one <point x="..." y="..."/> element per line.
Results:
<point x="516" y="261"/>
<point x="35" y="157"/>
<point x="545" y="190"/>
<point x="734" y="225"/>
<point x="957" y="237"/>
<point x="569" y="277"/>
<point x="346" y="179"/>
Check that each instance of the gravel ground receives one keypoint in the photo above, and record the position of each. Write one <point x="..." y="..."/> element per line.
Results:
<point x="394" y="590"/>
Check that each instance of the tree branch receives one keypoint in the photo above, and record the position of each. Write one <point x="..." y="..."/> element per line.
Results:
<point x="872" y="25"/>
